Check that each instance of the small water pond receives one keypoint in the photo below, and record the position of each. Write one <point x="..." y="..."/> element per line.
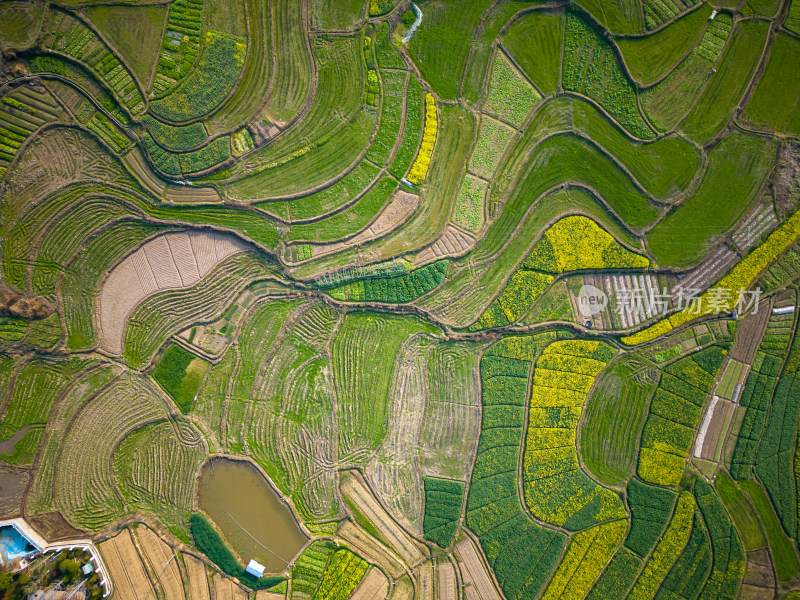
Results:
<point x="251" y="515"/>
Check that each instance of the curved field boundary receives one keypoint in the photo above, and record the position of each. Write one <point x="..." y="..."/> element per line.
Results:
<point x="170" y="261"/>
<point x="397" y="212"/>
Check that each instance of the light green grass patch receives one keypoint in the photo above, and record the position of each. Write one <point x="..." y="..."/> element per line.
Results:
<point x="510" y="97"/>
<point x="469" y="204"/>
<point x="534" y="41"/>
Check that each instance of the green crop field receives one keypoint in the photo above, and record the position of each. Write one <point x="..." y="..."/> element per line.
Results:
<point x="432" y="300"/>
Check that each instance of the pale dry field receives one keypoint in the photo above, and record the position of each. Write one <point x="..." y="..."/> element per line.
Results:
<point x="170" y="261"/>
<point x="125" y="568"/>
<point x="453" y="242"/>
<point x="375" y="586"/>
<point x="163" y="562"/>
<point x="474" y="571"/>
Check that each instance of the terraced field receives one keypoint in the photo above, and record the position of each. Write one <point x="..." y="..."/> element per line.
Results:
<point x="498" y="298"/>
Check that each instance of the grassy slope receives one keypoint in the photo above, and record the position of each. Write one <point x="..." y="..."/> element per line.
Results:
<point x="134" y="31"/>
<point x="783" y="554"/>
<point x="774" y="103"/>
<point x="737" y="169"/>
<point x="626" y="16"/>
<point x="534" y="41"/>
<point x="615" y="414"/>
<point x="736" y="66"/>
<point x="651" y="58"/>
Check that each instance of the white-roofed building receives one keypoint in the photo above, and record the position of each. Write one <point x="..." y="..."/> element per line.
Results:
<point x="255" y="569"/>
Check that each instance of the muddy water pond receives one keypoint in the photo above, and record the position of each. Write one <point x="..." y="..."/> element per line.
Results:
<point x="250" y="514"/>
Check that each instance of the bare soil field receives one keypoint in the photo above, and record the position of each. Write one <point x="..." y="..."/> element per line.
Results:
<point x="360" y="495"/>
<point x="374" y="586"/>
<point x="398" y="211"/>
<point x="453" y="242"/>
<point x="170" y="261"/>
<point x="474" y="571"/>
<point x="197" y="578"/>
<point x="125" y="568"/>
<point x="163" y="563"/>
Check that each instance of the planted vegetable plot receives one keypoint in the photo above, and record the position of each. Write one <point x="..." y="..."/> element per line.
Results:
<point x="491" y="300"/>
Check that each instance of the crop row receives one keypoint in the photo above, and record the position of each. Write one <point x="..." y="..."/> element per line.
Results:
<point x="493" y="139"/>
<point x="667" y="102"/>
<point x="728" y="557"/>
<point x="651" y="508"/>
<point x="309" y="567"/>
<point x="350" y="220"/>
<point x="154" y="468"/>
<point x="41" y="496"/>
<point x="85" y="488"/>
<point x="324" y="201"/>
<point x="62" y="239"/>
<point x="658" y="12"/>
<point x="36" y="388"/>
<point x="21" y="113"/>
<point x="396" y="289"/>
<point x="775" y="456"/>
<point x="82" y="280"/>
<point x="443" y="499"/>
<point x="20" y="235"/>
<point x="180" y="45"/>
<point x="674" y="412"/>
<point x="510" y="97"/>
<point x="521" y="553"/>
<point x="689" y="572"/>
<point x="469" y="212"/>
<point x="741" y="277"/>
<point x="667" y="551"/>
<point x="175" y="138"/>
<point x="156" y="318"/>
<point x="412" y="130"/>
<point x="586" y="556"/>
<point x="387" y="55"/>
<point x="108" y="132"/>
<point x="242" y="141"/>
<point x="756" y="396"/>
<point x="209" y="84"/>
<point x="618" y="576"/>
<point x="79" y="75"/>
<point x="391" y="117"/>
<point x="572" y="243"/>
<point x="74" y="39"/>
<point x="592" y="68"/>
<point x="556" y="489"/>
<point x="792" y="21"/>
<point x="715" y="37"/>
<point x="342" y="575"/>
